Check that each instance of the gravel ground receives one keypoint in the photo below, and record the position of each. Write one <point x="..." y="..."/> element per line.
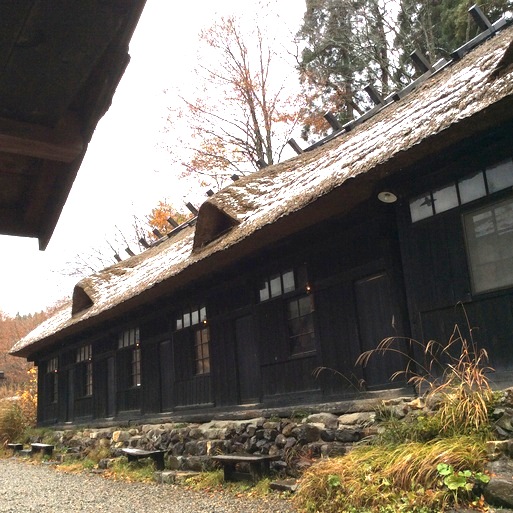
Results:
<point x="26" y="487"/>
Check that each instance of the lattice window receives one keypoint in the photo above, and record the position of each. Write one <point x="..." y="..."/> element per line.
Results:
<point x="489" y="237"/>
<point x="202" y="351"/>
<point x="300" y="320"/>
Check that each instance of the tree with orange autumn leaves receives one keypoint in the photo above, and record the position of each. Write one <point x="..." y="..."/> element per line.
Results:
<point x="11" y="330"/>
<point x="159" y="216"/>
<point x="242" y="114"/>
<point x="135" y="239"/>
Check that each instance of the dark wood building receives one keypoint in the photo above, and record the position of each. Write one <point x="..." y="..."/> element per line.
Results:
<point x="384" y="229"/>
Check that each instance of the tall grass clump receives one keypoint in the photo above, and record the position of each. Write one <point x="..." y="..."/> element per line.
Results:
<point x="425" y="463"/>
<point x="402" y="478"/>
<point x="453" y="377"/>
<point x="134" y="471"/>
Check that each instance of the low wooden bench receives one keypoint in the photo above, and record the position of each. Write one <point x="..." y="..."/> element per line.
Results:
<point x="15" y="447"/>
<point x="156" y="456"/>
<point x="259" y="466"/>
<point x="46" y="449"/>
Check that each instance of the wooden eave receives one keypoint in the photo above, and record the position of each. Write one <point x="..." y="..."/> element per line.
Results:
<point x="60" y="63"/>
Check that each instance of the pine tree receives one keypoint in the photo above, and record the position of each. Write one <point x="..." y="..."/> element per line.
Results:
<point x="350" y="43"/>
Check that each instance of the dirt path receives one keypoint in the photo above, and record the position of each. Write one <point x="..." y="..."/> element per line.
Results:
<point x="26" y="487"/>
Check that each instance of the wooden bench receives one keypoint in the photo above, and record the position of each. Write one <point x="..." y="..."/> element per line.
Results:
<point x="156" y="456"/>
<point x="258" y="466"/>
<point x="45" y="449"/>
<point x="15" y="447"/>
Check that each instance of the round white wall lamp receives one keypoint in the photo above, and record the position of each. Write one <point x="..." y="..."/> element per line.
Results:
<point x="387" y="197"/>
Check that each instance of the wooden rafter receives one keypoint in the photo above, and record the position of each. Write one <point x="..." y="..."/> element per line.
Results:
<point x="62" y="144"/>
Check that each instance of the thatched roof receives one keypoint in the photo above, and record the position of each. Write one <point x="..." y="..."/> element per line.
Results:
<point x="463" y="99"/>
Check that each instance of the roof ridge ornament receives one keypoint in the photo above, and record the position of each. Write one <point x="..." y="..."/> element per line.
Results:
<point x="488" y="30"/>
<point x="423" y="66"/>
<point x="295" y="146"/>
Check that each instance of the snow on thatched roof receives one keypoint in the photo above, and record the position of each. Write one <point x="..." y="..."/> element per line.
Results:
<point x="457" y="93"/>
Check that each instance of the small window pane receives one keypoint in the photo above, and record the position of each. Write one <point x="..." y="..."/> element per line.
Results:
<point x="504" y="218"/>
<point x="264" y="291"/>
<point x="288" y="281"/>
<point x="186" y="320"/>
<point x="275" y="283"/>
<point x="52" y="365"/>
<point x="89" y="379"/>
<point x="83" y="354"/>
<point x="203" y="314"/>
<point x="179" y="323"/>
<point x="445" y="199"/>
<point x="293" y="307"/>
<point x="195" y="317"/>
<point x="500" y="176"/>
<point x="472" y="188"/>
<point x="303" y="343"/>
<point x="421" y="208"/>
<point x="483" y="224"/>
<point x="201" y="349"/>
<point x="296" y="327"/>
<point x="306" y="305"/>
<point x="136" y="367"/>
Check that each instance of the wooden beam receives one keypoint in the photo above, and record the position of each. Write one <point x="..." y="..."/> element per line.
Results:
<point x="62" y="144"/>
<point x="11" y="223"/>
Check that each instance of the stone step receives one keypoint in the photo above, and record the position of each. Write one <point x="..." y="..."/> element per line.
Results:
<point x="173" y="476"/>
<point x="284" y="485"/>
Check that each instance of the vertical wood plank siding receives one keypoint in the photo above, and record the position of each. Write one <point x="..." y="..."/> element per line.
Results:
<point x="224" y="363"/>
<point x="335" y="258"/>
<point x="150" y="376"/>
<point x="439" y="288"/>
<point x="189" y="389"/>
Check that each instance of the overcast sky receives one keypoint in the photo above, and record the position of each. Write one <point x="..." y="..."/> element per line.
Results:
<point x="126" y="171"/>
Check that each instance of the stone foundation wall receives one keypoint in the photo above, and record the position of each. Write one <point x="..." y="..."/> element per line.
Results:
<point x="295" y="442"/>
